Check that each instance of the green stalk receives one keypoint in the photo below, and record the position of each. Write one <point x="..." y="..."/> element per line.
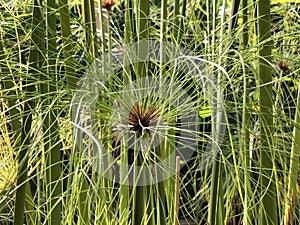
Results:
<point x="221" y="207"/>
<point x="141" y="193"/>
<point x="294" y="166"/>
<point x="234" y="14"/>
<point x="12" y="102"/>
<point x="143" y="16"/>
<point x="67" y="44"/>
<point x="268" y="205"/>
<point x="213" y="190"/>
<point x="93" y="29"/>
<point x="177" y="190"/>
<point x="90" y="28"/>
<point x="245" y="128"/>
<point x="166" y="188"/>
<point x="20" y="133"/>
<point x="17" y="132"/>
<point x="132" y="21"/>
<point x="103" y="27"/>
<point x="29" y="93"/>
<point x="40" y="46"/>
<point x="163" y="26"/>
<point x="124" y="197"/>
<point x="109" y="35"/>
<point x="124" y="201"/>
<point x="181" y="27"/>
<point x="245" y="21"/>
<point x="208" y="28"/>
<point x="183" y="12"/>
<point x="176" y="29"/>
<point x="142" y="201"/>
<point x="165" y="147"/>
<point x="70" y="74"/>
<point x="51" y="126"/>
<point x="214" y="196"/>
<point x="23" y="157"/>
<point x="31" y="214"/>
<point x="84" y="202"/>
<point x="162" y="38"/>
<point x="246" y="153"/>
<point x="92" y="52"/>
<point x="216" y="206"/>
<point x="87" y="23"/>
<point x="143" y="9"/>
<point x="213" y="31"/>
<point x="128" y="36"/>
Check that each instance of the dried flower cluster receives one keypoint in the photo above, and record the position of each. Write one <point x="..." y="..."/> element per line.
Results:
<point x="140" y="120"/>
<point x="282" y="66"/>
<point x="108" y="4"/>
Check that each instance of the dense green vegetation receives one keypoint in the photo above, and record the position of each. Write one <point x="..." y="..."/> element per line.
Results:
<point x="103" y="101"/>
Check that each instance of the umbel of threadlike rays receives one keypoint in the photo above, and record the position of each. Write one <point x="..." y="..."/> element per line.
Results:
<point x="139" y="121"/>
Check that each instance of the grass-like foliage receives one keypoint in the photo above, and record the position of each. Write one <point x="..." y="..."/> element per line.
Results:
<point x="102" y="102"/>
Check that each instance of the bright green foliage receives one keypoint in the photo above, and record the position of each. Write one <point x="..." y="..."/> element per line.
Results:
<point x="248" y="54"/>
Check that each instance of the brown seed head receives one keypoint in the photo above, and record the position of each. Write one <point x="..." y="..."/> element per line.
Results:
<point x="282" y="66"/>
<point x="108" y="4"/>
<point x="140" y="120"/>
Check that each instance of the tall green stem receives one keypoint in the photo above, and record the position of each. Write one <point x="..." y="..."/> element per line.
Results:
<point x="234" y="14"/>
<point x="176" y="28"/>
<point x="164" y="149"/>
<point x="17" y="135"/>
<point x="216" y="207"/>
<point x="245" y="127"/>
<point x="268" y="207"/>
<point x="214" y="193"/>
<point x="142" y="200"/>
<point x="67" y="43"/>
<point x="90" y="28"/>
<point x="28" y="96"/>
<point x="245" y="20"/>
<point x="143" y="9"/>
<point x="143" y="17"/>
<point x="124" y="197"/>
<point x="51" y="126"/>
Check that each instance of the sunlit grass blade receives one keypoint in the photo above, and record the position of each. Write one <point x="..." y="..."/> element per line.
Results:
<point x="289" y="216"/>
